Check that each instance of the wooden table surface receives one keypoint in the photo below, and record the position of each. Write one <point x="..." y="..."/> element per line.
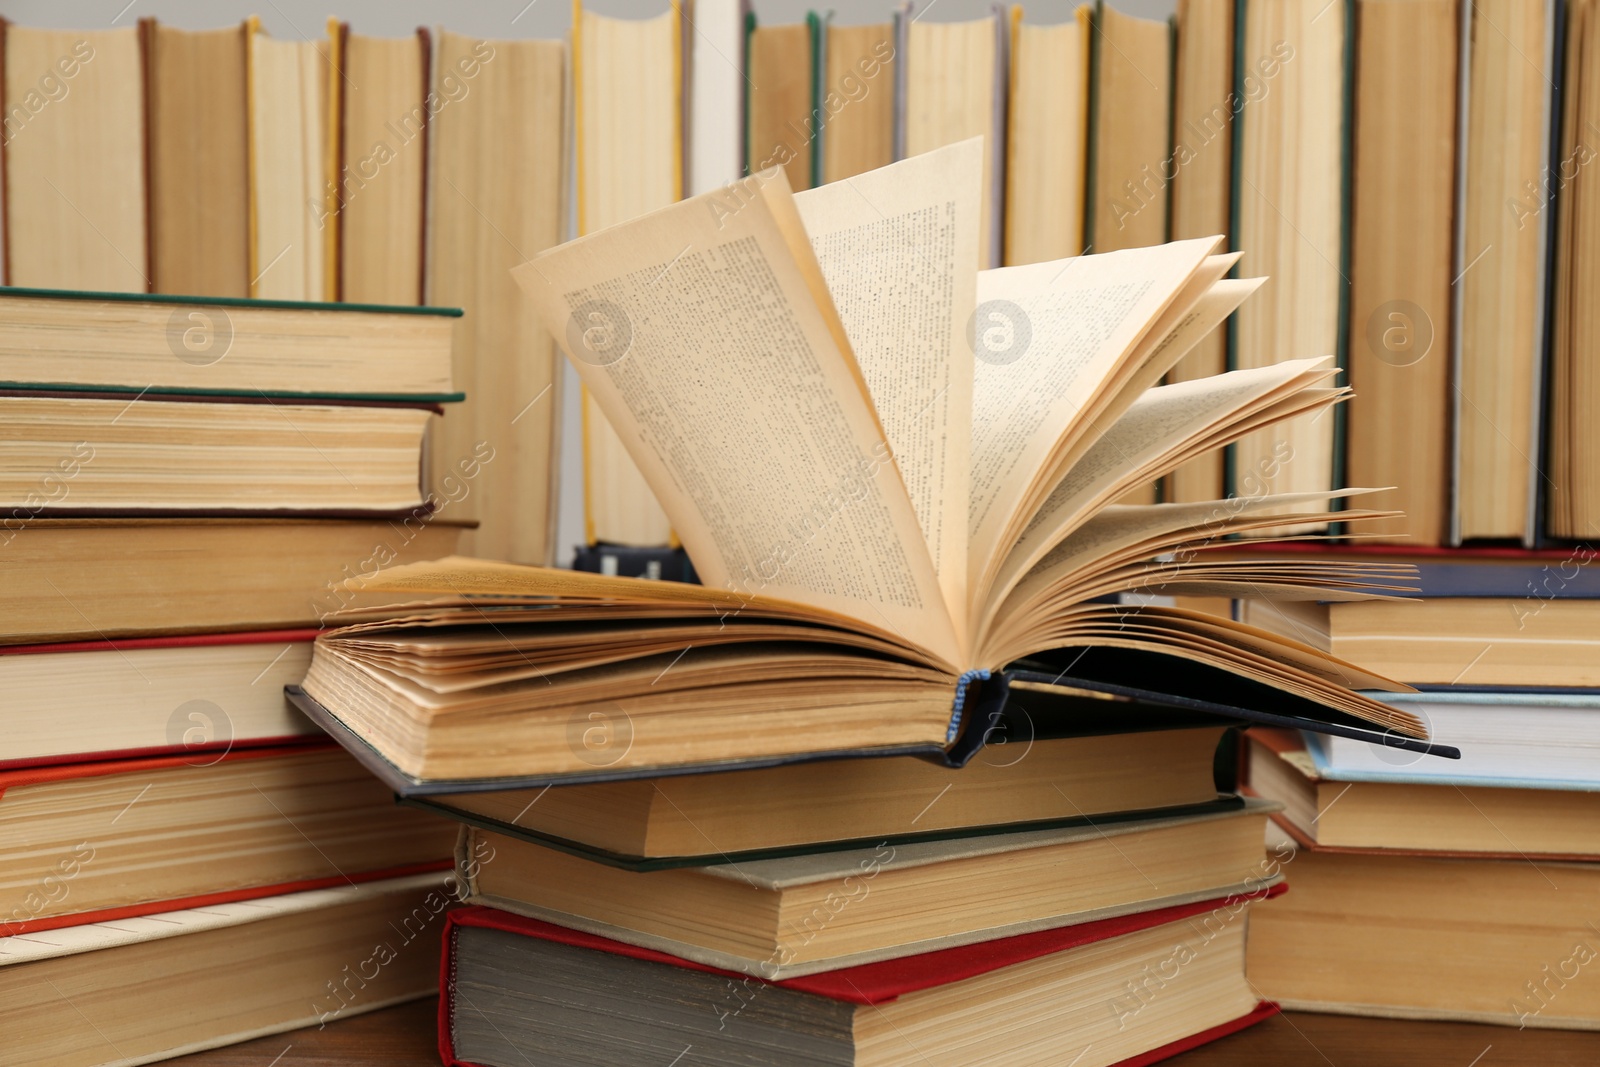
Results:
<point x="404" y="1037"/>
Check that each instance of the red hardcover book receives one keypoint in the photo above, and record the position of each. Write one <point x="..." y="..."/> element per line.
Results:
<point x="196" y="695"/>
<point x="1130" y="990"/>
<point x="97" y="841"/>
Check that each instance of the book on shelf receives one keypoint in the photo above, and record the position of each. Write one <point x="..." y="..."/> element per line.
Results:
<point x="204" y="693"/>
<point x="714" y="87"/>
<point x="690" y="819"/>
<point x="628" y="135"/>
<point x="856" y="98"/>
<point x="287" y="127"/>
<point x="953" y="78"/>
<point x="1476" y="571"/>
<point x="1406" y="809"/>
<point x="1400" y="329"/>
<point x="1290" y="194"/>
<point x="102" y="579"/>
<point x="1499" y="327"/>
<point x="228" y="972"/>
<point x="749" y="917"/>
<point x="74" y="204"/>
<point x="197" y="124"/>
<point x="872" y="606"/>
<point x="781" y="118"/>
<point x="154" y="834"/>
<point x="1001" y="1000"/>
<point x="380" y="104"/>
<point x="500" y="185"/>
<point x="1571" y="445"/>
<point x="1046" y="139"/>
<point x="1204" y="110"/>
<point x="1130" y="146"/>
<point x="1472" y="939"/>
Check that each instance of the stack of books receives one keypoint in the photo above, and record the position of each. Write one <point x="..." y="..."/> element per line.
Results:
<point x="906" y="562"/>
<point x="188" y="485"/>
<point x="1492" y="861"/>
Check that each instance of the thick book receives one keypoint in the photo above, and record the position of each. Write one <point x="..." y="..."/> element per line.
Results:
<point x="771" y="917"/>
<point x="93" y="842"/>
<point x="104" y="579"/>
<point x="1499" y="324"/>
<point x="196" y="135"/>
<point x="290" y="229"/>
<point x="1130" y="119"/>
<point x="156" y="453"/>
<point x="380" y="106"/>
<point x="144" y="989"/>
<point x="1407" y="812"/>
<point x="514" y="988"/>
<point x="74" y="208"/>
<point x="1022" y="781"/>
<point x="856" y="98"/>
<point x="1400" y="327"/>
<point x="136" y="344"/>
<point x="1459" y="641"/>
<point x="925" y="524"/>
<point x="1294" y="68"/>
<point x="1046" y="139"/>
<point x="627" y="84"/>
<point x="782" y="126"/>
<point x="500" y="166"/>
<point x="1513" y="937"/>
<point x="205" y="693"/>
<point x="1205" y="108"/>
<point x="1532" y="577"/>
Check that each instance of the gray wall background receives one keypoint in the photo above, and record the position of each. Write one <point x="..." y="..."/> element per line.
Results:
<point x="306" y="19"/>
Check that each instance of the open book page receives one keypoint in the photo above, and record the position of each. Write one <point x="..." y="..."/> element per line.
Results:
<point x="1159" y="426"/>
<point x="709" y="341"/>
<point x="1047" y="336"/>
<point x="899" y="247"/>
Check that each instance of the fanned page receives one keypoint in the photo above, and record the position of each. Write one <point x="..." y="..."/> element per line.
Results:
<point x="1047" y="337"/>
<point x="898" y="247"/>
<point x="705" y="333"/>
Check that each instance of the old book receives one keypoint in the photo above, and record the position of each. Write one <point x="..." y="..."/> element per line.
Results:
<point x="197" y="119"/>
<point x="1204" y="109"/>
<point x="1573" y="503"/>
<point x="954" y="89"/>
<point x="199" y="828"/>
<point x="499" y="174"/>
<point x="657" y="821"/>
<point x="74" y="198"/>
<point x="628" y="92"/>
<point x="174" y="453"/>
<point x="1507" y="64"/>
<point x="208" y="693"/>
<point x="1046" y="139"/>
<point x="382" y="100"/>
<point x="1402" y="810"/>
<point x="89" y="579"/>
<point x="520" y="988"/>
<point x="1400" y="291"/>
<point x="715" y="83"/>
<point x="109" y="342"/>
<point x="85" y="996"/>
<point x="290" y="227"/>
<point x="857" y="99"/>
<point x="1516" y="935"/>
<point x="780" y="101"/>
<point x="987" y="540"/>
<point x="1289" y="211"/>
<point x="1452" y="641"/>
<point x="1130" y="147"/>
<point x="754" y="917"/>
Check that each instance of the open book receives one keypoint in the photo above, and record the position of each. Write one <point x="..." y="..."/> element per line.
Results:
<point x="895" y="474"/>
